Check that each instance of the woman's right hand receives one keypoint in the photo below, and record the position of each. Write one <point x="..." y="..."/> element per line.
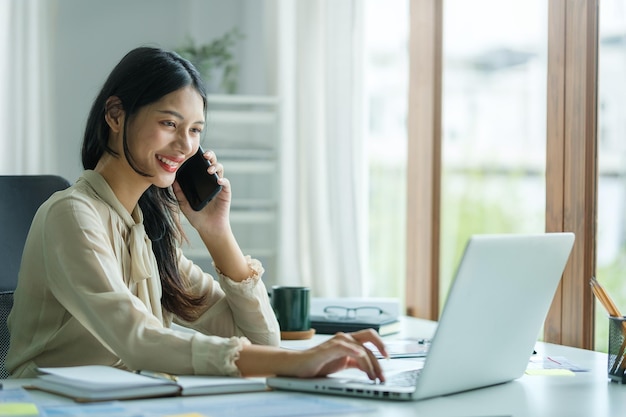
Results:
<point x="342" y="351"/>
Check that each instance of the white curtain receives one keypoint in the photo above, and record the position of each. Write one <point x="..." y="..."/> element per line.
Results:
<point x="325" y="165"/>
<point x="25" y="84"/>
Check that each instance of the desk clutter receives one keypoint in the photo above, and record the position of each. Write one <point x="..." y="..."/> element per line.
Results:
<point x="300" y="317"/>
<point x="617" y="333"/>
<point x="519" y="398"/>
<point x="104" y="383"/>
<point x="20" y="402"/>
<point x="383" y="323"/>
<point x="332" y="315"/>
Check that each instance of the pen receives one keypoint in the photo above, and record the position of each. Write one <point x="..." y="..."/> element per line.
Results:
<point x="604" y="298"/>
<point x="613" y="311"/>
<point x="159" y="375"/>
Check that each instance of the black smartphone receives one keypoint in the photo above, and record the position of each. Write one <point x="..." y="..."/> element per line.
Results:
<point x="197" y="184"/>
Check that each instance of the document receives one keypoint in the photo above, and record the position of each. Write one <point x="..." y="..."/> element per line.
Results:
<point x="105" y="383"/>
<point x="403" y="348"/>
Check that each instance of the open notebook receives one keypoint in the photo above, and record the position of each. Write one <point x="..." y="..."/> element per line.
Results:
<point x="491" y="320"/>
<point x="104" y="383"/>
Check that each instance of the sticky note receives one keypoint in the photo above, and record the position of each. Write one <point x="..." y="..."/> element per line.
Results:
<point x="18" y="409"/>
<point x="550" y="372"/>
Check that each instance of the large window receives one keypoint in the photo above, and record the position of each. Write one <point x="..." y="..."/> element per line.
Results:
<point x="494" y="129"/>
<point x="494" y="123"/>
<point x="386" y="75"/>
<point x="512" y="96"/>
<point x="611" y="252"/>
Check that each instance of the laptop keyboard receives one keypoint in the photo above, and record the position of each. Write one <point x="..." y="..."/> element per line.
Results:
<point x="403" y="379"/>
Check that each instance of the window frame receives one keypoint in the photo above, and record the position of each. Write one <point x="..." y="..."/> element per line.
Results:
<point x="571" y="161"/>
<point x="424" y="158"/>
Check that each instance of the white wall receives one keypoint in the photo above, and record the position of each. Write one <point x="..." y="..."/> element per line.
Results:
<point x="89" y="38"/>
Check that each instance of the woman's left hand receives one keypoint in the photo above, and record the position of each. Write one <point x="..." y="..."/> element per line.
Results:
<point x="213" y="226"/>
<point x="214" y="217"/>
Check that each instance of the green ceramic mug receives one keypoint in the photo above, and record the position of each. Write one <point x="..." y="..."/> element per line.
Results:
<point x="291" y="306"/>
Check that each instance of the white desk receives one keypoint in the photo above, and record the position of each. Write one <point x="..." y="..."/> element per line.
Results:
<point x="586" y="394"/>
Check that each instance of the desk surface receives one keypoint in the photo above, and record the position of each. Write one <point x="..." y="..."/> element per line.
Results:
<point x="585" y="394"/>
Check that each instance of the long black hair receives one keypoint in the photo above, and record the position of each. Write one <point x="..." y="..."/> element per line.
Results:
<point x="143" y="77"/>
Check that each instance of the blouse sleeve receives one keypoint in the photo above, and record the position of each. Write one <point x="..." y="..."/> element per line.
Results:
<point x="84" y="275"/>
<point x="233" y="308"/>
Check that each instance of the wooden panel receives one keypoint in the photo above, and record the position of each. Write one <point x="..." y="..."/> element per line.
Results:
<point x="571" y="162"/>
<point x="424" y="159"/>
<point x="555" y="169"/>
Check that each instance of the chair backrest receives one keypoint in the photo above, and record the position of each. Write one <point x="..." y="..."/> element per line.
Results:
<point x="20" y="197"/>
<point x="6" y="303"/>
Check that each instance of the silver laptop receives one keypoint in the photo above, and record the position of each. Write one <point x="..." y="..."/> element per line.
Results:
<point x="495" y="309"/>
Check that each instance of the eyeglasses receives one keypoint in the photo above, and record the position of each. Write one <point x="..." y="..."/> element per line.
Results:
<point x="352" y="313"/>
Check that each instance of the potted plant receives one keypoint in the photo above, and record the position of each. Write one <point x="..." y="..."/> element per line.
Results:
<point x="215" y="61"/>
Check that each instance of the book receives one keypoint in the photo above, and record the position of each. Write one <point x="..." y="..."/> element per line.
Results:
<point x="104" y="383"/>
<point x="383" y="324"/>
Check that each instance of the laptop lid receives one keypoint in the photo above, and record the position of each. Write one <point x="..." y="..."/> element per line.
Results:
<point x="501" y="294"/>
<point x="494" y="312"/>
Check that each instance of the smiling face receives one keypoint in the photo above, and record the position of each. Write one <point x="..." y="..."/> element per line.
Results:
<point x="162" y="135"/>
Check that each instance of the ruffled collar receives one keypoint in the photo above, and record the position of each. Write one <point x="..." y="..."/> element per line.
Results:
<point x="140" y="245"/>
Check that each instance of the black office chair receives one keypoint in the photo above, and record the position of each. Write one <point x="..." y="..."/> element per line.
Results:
<point x="20" y="197"/>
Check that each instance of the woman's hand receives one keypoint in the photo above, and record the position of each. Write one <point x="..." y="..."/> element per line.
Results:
<point x="213" y="225"/>
<point x="214" y="217"/>
<point x="342" y="351"/>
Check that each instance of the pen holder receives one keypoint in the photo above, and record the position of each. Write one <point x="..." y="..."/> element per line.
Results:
<point x="617" y="345"/>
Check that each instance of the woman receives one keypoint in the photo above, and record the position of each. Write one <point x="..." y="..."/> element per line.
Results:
<point x="102" y="276"/>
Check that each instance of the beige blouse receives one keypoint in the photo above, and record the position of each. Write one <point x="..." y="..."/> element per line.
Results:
<point x="89" y="293"/>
